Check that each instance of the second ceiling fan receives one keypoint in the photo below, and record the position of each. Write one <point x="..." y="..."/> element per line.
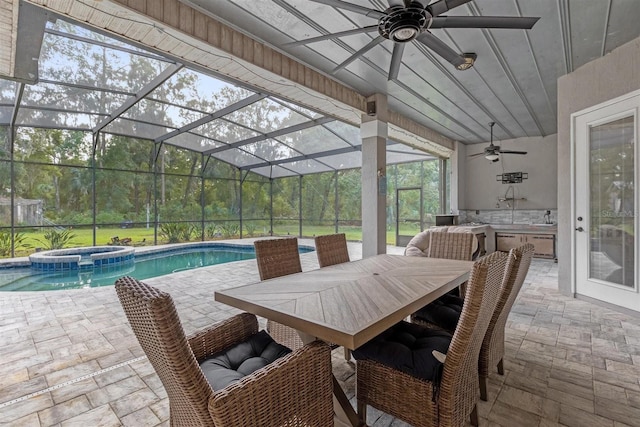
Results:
<point x="492" y="152"/>
<point x="408" y="20"/>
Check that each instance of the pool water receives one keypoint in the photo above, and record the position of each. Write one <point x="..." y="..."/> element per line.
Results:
<point x="144" y="267"/>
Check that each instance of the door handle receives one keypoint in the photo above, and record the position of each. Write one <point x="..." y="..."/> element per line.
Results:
<point x="579" y="229"/>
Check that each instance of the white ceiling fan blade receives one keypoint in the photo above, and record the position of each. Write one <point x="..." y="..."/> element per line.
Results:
<point x="371" y="13"/>
<point x="359" y="53"/>
<point x="441" y="48"/>
<point x="333" y="35"/>
<point x="443" y="6"/>
<point x="396" y="60"/>
<point x="513" y="22"/>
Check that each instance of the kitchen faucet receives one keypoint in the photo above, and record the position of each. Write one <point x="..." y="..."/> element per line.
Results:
<point x="507" y="198"/>
<point x="511" y="201"/>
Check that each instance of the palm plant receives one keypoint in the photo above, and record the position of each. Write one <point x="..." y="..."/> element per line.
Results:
<point x="54" y="239"/>
<point x="5" y="242"/>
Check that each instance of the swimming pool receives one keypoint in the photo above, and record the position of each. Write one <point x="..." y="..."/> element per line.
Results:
<point x="144" y="265"/>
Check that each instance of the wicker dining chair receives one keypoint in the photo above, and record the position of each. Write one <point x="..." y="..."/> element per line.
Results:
<point x="454" y="245"/>
<point x="492" y="351"/>
<point x="398" y="372"/>
<point x="445" y="312"/>
<point x="331" y="249"/>
<point x="200" y="373"/>
<point x="279" y="257"/>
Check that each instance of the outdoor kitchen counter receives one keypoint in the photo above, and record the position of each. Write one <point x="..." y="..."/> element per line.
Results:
<point x="526" y="228"/>
<point x="490" y="231"/>
<point x="542" y="236"/>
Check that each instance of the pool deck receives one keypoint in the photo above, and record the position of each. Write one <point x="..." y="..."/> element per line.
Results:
<point x="69" y="358"/>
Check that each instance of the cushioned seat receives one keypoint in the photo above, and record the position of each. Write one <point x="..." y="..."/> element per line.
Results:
<point x="408" y="348"/>
<point x="397" y="372"/>
<point x="194" y="370"/>
<point x="241" y="360"/>
<point x="444" y="312"/>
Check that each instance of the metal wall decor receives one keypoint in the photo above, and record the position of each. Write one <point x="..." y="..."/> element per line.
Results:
<point x="512" y="177"/>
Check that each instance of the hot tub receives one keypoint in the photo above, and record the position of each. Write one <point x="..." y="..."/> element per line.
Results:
<point x="81" y="258"/>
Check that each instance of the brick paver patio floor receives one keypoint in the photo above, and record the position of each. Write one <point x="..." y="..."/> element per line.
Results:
<point x="69" y="358"/>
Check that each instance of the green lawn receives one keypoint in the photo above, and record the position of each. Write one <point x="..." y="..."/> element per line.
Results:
<point x="144" y="236"/>
<point x="84" y="237"/>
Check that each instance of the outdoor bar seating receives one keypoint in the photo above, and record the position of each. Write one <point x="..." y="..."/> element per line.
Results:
<point x="229" y="375"/>
<point x="428" y="377"/>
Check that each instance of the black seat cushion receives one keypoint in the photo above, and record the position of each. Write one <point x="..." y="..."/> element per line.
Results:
<point x="241" y="360"/>
<point x="408" y="347"/>
<point x="443" y="312"/>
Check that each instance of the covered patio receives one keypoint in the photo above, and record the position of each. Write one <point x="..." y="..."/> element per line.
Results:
<point x="213" y="118"/>
<point x="70" y="358"/>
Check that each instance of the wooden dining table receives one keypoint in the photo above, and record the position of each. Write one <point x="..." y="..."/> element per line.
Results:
<point x="348" y="304"/>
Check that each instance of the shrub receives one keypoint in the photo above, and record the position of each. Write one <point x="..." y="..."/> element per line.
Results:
<point x="251" y="228"/>
<point x="171" y="232"/>
<point x="77" y="218"/>
<point x="211" y="230"/>
<point x="188" y="231"/>
<point x="5" y="242"/>
<point x="54" y="239"/>
<point x="229" y="229"/>
<point x="109" y="217"/>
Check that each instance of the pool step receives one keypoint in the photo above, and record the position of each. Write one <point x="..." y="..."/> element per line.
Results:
<point x="85" y="263"/>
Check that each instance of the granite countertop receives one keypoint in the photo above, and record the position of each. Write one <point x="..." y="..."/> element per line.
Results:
<point x="527" y="228"/>
<point x="474" y="227"/>
<point x="520" y="228"/>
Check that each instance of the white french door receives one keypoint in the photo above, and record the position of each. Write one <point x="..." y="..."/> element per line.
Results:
<point x="606" y="199"/>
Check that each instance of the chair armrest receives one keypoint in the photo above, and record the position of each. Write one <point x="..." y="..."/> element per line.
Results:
<point x="223" y="335"/>
<point x="298" y="386"/>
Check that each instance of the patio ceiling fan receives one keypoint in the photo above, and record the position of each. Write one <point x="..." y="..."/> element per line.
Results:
<point x="492" y="152"/>
<point x="408" y="20"/>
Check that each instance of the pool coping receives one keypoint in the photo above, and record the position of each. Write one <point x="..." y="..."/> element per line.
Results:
<point x="147" y="251"/>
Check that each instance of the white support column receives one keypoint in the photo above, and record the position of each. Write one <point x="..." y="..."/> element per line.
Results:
<point x="458" y="177"/>
<point x="374" y="131"/>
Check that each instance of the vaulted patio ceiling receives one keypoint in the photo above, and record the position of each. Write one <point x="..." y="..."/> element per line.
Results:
<point x="513" y="82"/>
<point x="88" y="81"/>
<point x="431" y="104"/>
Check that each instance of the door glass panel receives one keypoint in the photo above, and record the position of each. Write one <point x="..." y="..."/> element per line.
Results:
<point x="612" y="202"/>
<point x="408" y="215"/>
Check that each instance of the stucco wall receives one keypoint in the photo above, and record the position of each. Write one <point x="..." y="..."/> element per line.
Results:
<point x="481" y="190"/>
<point x="603" y="79"/>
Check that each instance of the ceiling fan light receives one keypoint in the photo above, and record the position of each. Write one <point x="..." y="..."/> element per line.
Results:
<point x="492" y="156"/>
<point x="401" y="24"/>
<point x="404" y="34"/>
<point x="469" y="60"/>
